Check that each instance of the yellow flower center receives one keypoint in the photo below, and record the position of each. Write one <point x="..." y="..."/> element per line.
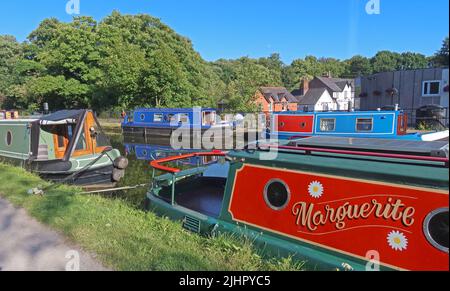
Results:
<point x="315" y="189"/>
<point x="397" y="240"/>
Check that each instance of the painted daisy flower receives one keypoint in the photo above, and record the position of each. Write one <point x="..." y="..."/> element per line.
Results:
<point x="397" y="241"/>
<point x="315" y="189"/>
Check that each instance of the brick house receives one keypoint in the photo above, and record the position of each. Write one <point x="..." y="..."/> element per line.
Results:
<point x="275" y="99"/>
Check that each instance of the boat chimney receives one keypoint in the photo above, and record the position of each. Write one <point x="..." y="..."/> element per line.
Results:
<point x="350" y="106"/>
<point x="46" y="109"/>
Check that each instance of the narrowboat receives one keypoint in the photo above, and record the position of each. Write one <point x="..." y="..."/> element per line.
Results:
<point x="335" y="203"/>
<point x="360" y="124"/>
<point x="194" y="128"/>
<point x="158" y="122"/>
<point x="67" y="146"/>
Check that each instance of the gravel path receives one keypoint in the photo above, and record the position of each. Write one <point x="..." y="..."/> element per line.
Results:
<point x="27" y="245"/>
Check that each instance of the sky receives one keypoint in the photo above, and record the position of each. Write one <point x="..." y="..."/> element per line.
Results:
<point x="293" y="28"/>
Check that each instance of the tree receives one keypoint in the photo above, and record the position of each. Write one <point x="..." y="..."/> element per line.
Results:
<point x="359" y="66"/>
<point x="441" y="58"/>
<point x="412" y="61"/>
<point x="242" y="79"/>
<point x="385" y="61"/>
<point x="10" y="55"/>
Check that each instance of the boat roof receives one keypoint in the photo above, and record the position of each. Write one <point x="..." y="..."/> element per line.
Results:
<point x="171" y="110"/>
<point x="63" y="115"/>
<point x="433" y="149"/>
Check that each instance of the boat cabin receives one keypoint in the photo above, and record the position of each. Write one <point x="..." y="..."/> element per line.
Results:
<point x="360" y="124"/>
<point x="172" y="117"/>
<point x="66" y="144"/>
<point x="324" y="200"/>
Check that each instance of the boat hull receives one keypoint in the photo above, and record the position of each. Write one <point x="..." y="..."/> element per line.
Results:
<point x="94" y="176"/>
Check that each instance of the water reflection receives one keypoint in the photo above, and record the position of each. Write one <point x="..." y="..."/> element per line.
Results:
<point x="141" y="151"/>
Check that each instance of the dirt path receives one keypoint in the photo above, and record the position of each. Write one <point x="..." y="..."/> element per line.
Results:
<point x="27" y="245"/>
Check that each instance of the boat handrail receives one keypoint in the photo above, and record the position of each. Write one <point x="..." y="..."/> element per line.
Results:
<point x="157" y="164"/>
<point x="359" y="153"/>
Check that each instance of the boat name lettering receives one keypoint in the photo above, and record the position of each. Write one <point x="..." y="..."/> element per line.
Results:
<point x="307" y="215"/>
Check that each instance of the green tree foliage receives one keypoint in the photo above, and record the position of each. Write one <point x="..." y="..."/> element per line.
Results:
<point x="127" y="61"/>
<point x="10" y="55"/>
<point x="385" y="61"/>
<point x="359" y="66"/>
<point x="413" y="61"/>
<point x="122" y="62"/>
<point x="242" y="78"/>
<point x="441" y="58"/>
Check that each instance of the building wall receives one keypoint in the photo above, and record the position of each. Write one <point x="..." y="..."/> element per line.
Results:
<point x="344" y="97"/>
<point x="325" y="103"/>
<point x="274" y="106"/>
<point x="262" y="102"/>
<point x="410" y="90"/>
<point x="445" y="83"/>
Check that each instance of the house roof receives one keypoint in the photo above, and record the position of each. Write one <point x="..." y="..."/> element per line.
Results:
<point x="336" y="84"/>
<point x="277" y="93"/>
<point x="312" y="96"/>
<point x="297" y="93"/>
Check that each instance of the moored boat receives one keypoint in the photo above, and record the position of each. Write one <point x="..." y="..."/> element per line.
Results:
<point x="67" y="146"/>
<point x="344" y="203"/>
<point x="162" y="122"/>
<point x="193" y="128"/>
<point x="359" y="124"/>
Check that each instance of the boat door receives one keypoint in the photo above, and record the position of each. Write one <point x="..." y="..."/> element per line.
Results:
<point x="92" y="140"/>
<point x="402" y="124"/>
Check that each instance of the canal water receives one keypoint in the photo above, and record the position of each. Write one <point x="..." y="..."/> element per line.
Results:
<point x="140" y="152"/>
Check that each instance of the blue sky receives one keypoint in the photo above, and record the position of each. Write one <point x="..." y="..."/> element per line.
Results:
<point x="255" y="28"/>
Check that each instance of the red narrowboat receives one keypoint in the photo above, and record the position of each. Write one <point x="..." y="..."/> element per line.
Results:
<point x="335" y="203"/>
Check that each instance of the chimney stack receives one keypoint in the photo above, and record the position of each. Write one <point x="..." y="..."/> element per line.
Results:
<point x="305" y="85"/>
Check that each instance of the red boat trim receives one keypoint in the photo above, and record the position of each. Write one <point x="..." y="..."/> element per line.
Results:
<point x="369" y="154"/>
<point x="157" y="164"/>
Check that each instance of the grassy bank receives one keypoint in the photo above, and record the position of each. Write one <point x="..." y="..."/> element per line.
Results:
<point x="125" y="238"/>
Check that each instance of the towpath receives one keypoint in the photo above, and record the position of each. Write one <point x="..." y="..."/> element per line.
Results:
<point x="27" y="245"/>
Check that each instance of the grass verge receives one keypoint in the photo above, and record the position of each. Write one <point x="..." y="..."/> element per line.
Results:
<point x="125" y="238"/>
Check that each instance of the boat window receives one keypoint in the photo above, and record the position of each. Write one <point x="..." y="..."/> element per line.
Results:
<point x="60" y="140"/>
<point x="158" y="117"/>
<point x="184" y="118"/>
<point x="277" y="194"/>
<point x="364" y="124"/>
<point x="436" y="229"/>
<point x="328" y="124"/>
<point x="9" y="138"/>
<point x="171" y="118"/>
<point x="81" y="145"/>
<point x="142" y="116"/>
<point x="208" y="118"/>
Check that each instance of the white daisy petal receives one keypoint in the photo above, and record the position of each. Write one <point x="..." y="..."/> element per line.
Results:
<point x="316" y="189"/>
<point x="397" y="241"/>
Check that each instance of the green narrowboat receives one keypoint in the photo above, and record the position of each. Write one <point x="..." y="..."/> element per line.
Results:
<point x="336" y="203"/>
<point x="66" y="146"/>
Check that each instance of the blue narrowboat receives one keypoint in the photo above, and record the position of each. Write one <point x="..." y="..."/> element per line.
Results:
<point x="158" y="122"/>
<point x="360" y="124"/>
